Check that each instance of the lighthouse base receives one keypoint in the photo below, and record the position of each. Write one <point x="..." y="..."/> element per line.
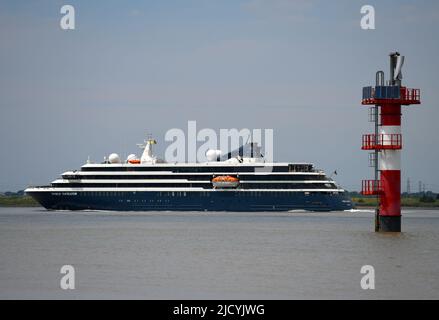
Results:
<point x="389" y="224"/>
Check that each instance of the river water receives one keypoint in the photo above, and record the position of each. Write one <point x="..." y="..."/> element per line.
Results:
<point x="174" y="255"/>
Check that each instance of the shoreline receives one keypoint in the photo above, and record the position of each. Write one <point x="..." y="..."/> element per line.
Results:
<point x="406" y="202"/>
<point x="36" y="205"/>
<point x="17" y="201"/>
<point x="402" y="207"/>
<point x="359" y="203"/>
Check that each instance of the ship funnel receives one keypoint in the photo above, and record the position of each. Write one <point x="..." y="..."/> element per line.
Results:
<point x="147" y="155"/>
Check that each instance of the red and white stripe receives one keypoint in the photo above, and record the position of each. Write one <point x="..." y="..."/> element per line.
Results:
<point x="390" y="162"/>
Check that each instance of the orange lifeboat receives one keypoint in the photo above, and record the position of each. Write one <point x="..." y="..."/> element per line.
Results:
<point x="134" y="161"/>
<point x="225" y="182"/>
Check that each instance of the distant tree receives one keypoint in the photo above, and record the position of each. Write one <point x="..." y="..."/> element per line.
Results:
<point x="426" y="199"/>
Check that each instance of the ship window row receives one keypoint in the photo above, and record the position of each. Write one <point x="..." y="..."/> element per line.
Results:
<point x="288" y="186"/>
<point x="207" y="185"/>
<point x="199" y="178"/>
<point x="129" y="194"/>
<point x="186" y="169"/>
<point x="276" y="194"/>
<point x="131" y="185"/>
<point x="139" y="177"/>
<point x="280" y="194"/>
<point x="133" y="193"/>
<point x="300" y="167"/>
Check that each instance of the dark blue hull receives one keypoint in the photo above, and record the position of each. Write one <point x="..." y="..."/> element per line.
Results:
<point x="193" y="201"/>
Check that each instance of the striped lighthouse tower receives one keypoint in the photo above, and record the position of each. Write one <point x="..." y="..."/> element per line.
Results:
<point x="385" y="101"/>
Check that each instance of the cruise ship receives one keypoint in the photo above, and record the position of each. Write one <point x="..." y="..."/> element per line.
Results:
<point x="240" y="180"/>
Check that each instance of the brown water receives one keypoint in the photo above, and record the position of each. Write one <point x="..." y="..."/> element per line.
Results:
<point x="173" y="255"/>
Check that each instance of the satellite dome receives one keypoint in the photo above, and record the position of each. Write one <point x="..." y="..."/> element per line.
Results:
<point x="114" y="158"/>
<point x="213" y="155"/>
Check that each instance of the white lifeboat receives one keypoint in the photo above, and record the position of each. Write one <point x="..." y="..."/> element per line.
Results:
<point x="132" y="158"/>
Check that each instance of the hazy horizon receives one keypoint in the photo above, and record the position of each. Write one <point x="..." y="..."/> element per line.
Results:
<point x="134" y="67"/>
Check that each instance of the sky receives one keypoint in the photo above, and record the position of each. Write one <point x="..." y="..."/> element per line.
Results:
<point x="135" y="67"/>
